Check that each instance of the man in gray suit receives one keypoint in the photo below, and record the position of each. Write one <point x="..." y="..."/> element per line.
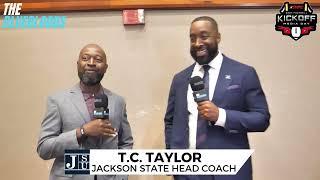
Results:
<point x="69" y="121"/>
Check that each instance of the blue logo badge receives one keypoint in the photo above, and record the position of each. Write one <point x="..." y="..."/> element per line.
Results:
<point x="76" y="162"/>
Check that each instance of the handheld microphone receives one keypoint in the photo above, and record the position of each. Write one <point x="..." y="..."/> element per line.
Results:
<point x="101" y="110"/>
<point x="199" y="92"/>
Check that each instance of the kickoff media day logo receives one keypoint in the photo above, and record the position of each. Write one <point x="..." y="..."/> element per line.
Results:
<point x="296" y="20"/>
<point x="12" y="19"/>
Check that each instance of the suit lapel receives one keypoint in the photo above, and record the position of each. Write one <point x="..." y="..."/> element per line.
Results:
<point x="111" y="103"/>
<point x="78" y="101"/>
<point x="184" y="87"/>
<point x="182" y="108"/>
<point x="224" y="79"/>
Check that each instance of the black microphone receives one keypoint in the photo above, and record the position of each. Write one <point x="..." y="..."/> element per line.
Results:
<point x="101" y="110"/>
<point x="199" y="92"/>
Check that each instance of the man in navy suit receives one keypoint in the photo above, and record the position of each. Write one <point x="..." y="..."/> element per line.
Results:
<point x="237" y="102"/>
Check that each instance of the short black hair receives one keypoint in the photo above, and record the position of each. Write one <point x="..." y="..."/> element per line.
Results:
<point x="209" y="19"/>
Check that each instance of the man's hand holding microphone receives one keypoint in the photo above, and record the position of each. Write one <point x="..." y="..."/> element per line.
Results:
<point x="207" y="109"/>
<point x="101" y="125"/>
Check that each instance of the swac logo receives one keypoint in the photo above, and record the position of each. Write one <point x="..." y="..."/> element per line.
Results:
<point x="296" y="20"/>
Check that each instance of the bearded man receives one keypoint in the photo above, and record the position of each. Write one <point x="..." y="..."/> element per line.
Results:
<point x="69" y="122"/>
<point x="236" y="102"/>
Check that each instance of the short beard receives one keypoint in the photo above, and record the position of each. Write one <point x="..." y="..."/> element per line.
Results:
<point x="212" y="53"/>
<point x="90" y="80"/>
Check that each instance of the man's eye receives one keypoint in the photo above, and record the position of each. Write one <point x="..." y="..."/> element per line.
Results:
<point x="204" y="37"/>
<point x="85" y="58"/>
<point x="98" y="59"/>
<point x="201" y="37"/>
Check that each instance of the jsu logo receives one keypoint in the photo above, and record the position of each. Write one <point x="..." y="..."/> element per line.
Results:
<point x="77" y="161"/>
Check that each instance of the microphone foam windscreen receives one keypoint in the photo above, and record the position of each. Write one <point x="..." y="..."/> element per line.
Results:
<point x="196" y="83"/>
<point x="101" y="101"/>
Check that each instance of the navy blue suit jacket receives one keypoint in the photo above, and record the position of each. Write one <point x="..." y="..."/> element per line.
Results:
<point x="239" y="92"/>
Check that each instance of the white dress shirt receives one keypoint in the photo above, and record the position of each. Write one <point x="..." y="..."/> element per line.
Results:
<point x="214" y="70"/>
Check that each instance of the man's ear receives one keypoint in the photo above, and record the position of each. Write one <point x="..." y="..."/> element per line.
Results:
<point x="105" y="69"/>
<point x="219" y="38"/>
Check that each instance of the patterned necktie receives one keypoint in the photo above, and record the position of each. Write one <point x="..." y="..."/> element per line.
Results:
<point x="202" y="124"/>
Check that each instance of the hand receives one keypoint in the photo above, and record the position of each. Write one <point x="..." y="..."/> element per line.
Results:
<point x="99" y="127"/>
<point x="208" y="111"/>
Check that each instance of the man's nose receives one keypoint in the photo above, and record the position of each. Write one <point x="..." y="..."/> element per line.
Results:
<point x="92" y="61"/>
<point x="198" y="42"/>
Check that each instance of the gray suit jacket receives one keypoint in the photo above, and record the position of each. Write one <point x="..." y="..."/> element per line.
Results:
<point x="67" y="111"/>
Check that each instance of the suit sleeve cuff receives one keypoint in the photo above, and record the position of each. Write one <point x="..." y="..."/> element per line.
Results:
<point x="222" y="118"/>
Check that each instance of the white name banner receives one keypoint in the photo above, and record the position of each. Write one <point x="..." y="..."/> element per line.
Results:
<point x="167" y="162"/>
